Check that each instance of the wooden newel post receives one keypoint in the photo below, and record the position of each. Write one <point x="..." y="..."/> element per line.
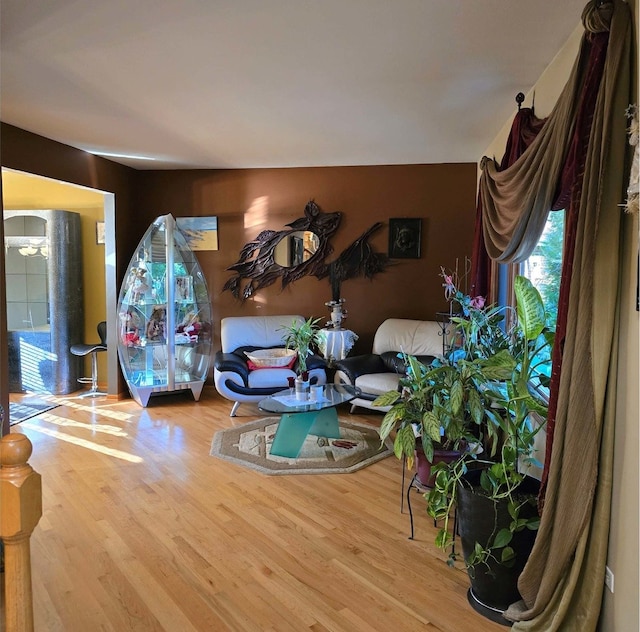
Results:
<point x="20" y="510"/>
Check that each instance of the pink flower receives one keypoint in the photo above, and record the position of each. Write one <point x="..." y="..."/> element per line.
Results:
<point x="448" y="285"/>
<point x="477" y="302"/>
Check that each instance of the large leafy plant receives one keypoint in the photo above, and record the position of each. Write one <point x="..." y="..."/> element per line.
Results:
<point x="446" y="402"/>
<point x="441" y="404"/>
<point x="515" y="414"/>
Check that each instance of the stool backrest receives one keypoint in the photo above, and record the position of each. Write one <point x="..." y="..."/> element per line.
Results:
<point x="102" y="332"/>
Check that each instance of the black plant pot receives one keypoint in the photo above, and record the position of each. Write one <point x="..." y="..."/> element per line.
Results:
<point x="494" y="587"/>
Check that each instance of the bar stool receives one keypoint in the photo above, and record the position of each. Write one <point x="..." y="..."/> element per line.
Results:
<point x="84" y="349"/>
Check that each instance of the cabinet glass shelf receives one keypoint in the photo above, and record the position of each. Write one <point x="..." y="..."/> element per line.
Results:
<point x="164" y="316"/>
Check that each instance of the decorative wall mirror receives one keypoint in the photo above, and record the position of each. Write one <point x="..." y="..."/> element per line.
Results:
<point x="302" y="249"/>
<point x="296" y="248"/>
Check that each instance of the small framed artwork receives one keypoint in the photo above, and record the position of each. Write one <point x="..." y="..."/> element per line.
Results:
<point x="184" y="288"/>
<point x="99" y="233"/>
<point x="201" y="233"/>
<point x="405" y="234"/>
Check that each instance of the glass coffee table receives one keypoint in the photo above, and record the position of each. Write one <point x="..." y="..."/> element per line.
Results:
<point x="298" y="418"/>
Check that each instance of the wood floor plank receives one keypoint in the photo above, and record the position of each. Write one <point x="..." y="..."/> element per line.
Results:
<point x="143" y="530"/>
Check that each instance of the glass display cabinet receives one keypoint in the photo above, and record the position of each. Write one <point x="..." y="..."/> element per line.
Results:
<point x="164" y="341"/>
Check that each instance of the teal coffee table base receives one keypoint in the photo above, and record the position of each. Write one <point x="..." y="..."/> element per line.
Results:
<point x="298" y="419"/>
<point x="294" y="428"/>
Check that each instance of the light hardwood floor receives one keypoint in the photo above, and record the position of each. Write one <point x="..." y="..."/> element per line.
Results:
<point x="143" y="530"/>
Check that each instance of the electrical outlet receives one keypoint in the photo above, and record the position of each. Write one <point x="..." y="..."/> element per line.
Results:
<point x="608" y="578"/>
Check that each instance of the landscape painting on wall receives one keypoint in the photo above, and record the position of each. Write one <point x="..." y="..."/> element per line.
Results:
<point x="201" y="232"/>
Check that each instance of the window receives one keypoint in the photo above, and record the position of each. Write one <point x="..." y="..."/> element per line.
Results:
<point x="544" y="267"/>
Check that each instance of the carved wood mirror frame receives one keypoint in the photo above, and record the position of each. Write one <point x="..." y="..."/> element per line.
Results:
<point x="257" y="263"/>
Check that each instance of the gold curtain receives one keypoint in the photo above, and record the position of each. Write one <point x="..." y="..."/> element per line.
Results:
<point x="562" y="582"/>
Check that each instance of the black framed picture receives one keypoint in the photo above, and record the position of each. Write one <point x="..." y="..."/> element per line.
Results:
<point x="404" y="237"/>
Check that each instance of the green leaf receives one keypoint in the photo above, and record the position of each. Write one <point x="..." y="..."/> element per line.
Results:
<point x="431" y="426"/>
<point x="496" y="471"/>
<point x="387" y="425"/>
<point x="503" y="537"/>
<point x="417" y="368"/>
<point x="478" y="552"/>
<point x="442" y="480"/>
<point x="398" y="449"/>
<point x="499" y="366"/>
<point x="387" y="399"/>
<point x="427" y="448"/>
<point x="407" y="440"/>
<point x="512" y="508"/>
<point x="535" y="406"/>
<point x="443" y="539"/>
<point x="457" y="394"/>
<point x="508" y="556"/>
<point x="530" y="308"/>
<point x="475" y="407"/>
<point x="485" y="483"/>
<point x="533" y="524"/>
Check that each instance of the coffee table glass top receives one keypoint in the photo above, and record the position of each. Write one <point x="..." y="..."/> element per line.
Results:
<point x="285" y="401"/>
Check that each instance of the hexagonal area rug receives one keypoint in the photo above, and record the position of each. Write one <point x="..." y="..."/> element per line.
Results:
<point x="249" y="445"/>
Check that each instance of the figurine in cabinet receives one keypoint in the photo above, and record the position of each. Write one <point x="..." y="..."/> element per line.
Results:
<point x="140" y="286"/>
<point x="157" y="325"/>
<point x="189" y="328"/>
<point x="130" y="328"/>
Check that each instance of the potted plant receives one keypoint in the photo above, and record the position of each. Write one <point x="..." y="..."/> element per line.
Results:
<point x="438" y="408"/>
<point x="421" y="431"/>
<point x="495" y="501"/>
<point x="301" y="336"/>
<point x="478" y="398"/>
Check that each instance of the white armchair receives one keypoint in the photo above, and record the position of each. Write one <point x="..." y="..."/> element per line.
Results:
<point x="233" y="376"/>
<point x="380" y="371"/>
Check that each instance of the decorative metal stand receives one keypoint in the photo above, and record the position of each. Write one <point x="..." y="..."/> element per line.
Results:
<point x="444" y="320"/>
<point x="338" y="314"/>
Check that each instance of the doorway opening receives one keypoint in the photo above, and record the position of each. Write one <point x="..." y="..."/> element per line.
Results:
<point x="33" y="296"/>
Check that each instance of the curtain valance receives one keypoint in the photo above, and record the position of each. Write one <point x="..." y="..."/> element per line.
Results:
<point x="516" y="197"/>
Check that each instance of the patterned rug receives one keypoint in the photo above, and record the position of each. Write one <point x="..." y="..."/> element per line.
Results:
<point x="249" y="445"/>
<point x="26" y="409"/>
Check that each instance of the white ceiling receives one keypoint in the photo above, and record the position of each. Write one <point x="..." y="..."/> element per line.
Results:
<point x="275" y="83"/>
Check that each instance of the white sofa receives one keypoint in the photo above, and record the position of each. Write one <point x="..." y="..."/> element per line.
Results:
<point x="380" y="371"/>
<point x="232" y="376"/>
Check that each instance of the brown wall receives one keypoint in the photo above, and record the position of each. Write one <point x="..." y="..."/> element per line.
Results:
<point x="249" y="201"/>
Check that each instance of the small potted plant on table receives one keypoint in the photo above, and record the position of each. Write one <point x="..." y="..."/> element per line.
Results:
<point x="302" y="336"/>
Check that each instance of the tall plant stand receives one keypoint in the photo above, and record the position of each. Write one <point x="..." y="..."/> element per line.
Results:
<point x="416" y="484"/>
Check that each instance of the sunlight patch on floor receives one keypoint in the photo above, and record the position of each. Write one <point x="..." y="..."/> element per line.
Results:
<point x="84" y="443"/>
<point x="70" y="423"/>
<point x="97" y="410"/>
